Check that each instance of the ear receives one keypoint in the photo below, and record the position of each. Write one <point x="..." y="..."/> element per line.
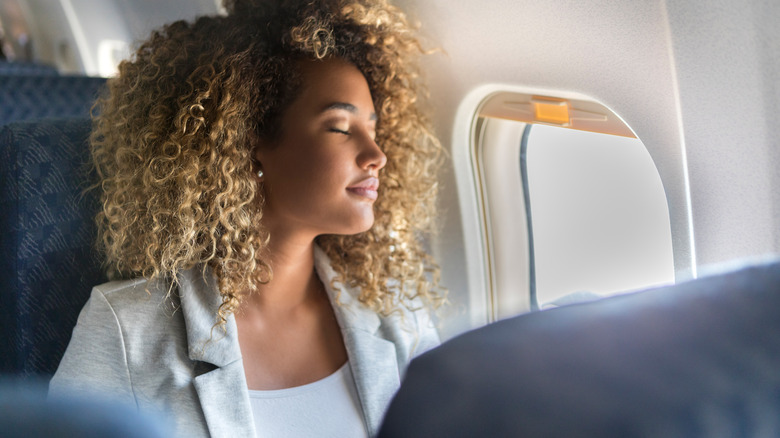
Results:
<point x="259" y="149"/>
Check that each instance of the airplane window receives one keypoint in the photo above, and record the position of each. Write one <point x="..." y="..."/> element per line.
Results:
<point x="573" y="206"/>
<point x="599" y="219"/>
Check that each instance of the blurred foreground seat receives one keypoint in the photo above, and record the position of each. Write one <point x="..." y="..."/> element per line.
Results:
<point x="25" y="412"/>
<point x="700" y="358"/>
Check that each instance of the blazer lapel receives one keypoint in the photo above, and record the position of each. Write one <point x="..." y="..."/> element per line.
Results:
<point x="221" y="382"/>
<point x="372" y="358"/>
<point x="225" y="401"/>
<point x="375" y="370"/>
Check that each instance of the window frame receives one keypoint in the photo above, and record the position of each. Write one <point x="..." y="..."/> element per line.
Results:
<point x="488" y="300"/>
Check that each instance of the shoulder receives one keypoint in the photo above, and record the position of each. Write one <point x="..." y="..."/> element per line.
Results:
<point x="123" y="325"/>
<point x="143" y="311"/>
<point x="96" y="358"/>
<point x="119" y="317"/>
<point x="135" y="302"/>
<point x="411" y="329"/>
<point x="128" y="294"/>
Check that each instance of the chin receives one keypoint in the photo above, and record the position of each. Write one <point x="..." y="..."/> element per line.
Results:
<point x="359" y="226"/>
<point x="362" y="229"/>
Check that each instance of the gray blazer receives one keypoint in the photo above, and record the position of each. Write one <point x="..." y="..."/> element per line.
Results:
<point x="162" y="354"/>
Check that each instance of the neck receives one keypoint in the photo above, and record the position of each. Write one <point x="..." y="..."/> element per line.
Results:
<point x="294" y="282"/>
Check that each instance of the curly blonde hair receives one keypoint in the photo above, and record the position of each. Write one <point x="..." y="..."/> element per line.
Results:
<point x="173" y="144"/>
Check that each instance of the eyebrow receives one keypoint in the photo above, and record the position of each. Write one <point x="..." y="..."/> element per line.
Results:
<point x="347" y="107"/>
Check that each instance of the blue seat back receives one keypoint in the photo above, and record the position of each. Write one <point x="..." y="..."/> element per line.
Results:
<point x="47" y="261"/>
<point x="26" y="68"/>
<point x="41" y="96"/>
<point x="700" y="358"/>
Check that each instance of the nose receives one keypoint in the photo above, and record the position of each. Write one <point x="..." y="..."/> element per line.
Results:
<point x="371" y="156"/>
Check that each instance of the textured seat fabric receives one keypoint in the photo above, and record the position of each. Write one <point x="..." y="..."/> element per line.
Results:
<point x="26" y="69"/>
<point x="47" y="262"/>
<point x="40" y="96"/>
<point x="700" y="358"/>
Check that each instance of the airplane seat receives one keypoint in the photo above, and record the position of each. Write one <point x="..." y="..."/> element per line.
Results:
<point x="26" y="411"/>
<point x="699" y="358"/>
<point x="48" y="263"/>
<point x="29" y="97"/>
<point x="8" y="68"/>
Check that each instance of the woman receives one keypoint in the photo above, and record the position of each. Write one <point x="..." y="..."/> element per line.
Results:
<point x="265" y="179"/>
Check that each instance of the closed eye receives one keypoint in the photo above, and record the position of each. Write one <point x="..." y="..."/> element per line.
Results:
<point x="339" y="131"/>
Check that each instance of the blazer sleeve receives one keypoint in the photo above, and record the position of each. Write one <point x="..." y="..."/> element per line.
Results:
<point x="95" y="362"/>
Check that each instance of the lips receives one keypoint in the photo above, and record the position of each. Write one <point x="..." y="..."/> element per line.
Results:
<point x="366" y="188"/>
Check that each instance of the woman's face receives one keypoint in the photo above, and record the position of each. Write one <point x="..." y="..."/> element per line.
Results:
<point x="321" y="175"/>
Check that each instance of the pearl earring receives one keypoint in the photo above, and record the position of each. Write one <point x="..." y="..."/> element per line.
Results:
<point x="260" y="173"/>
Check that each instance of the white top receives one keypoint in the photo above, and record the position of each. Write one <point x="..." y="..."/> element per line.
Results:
<point x="326" y="408"/>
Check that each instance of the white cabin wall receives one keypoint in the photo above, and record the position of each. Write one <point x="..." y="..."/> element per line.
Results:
<point x="143" y="16"/>
<point x="52" y="39"/>
<point x="728" y="64"/>
<point x="92" y="22"/>
<point x="68" y="33"/>
<point x="129" y="21"/>
<point x="767" y="19"/>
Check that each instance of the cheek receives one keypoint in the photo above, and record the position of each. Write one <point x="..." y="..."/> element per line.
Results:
<point x="321" y="173"/>
<point x="308" y="179"/>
